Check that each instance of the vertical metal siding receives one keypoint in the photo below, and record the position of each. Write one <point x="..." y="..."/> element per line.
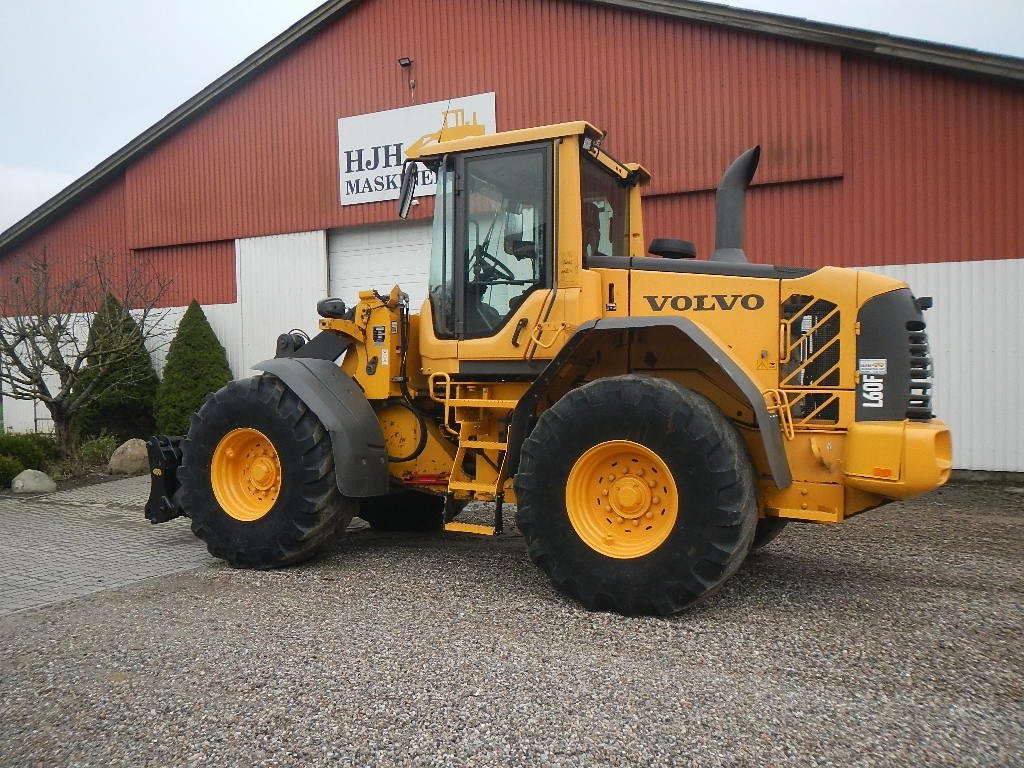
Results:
<point x="201" y="271"/>
<point x="974" y="333"/>
<point x="933" y="171"/>
<point x="684" y="98"/>
<point x="934" y="167"/>
<point x="280" y="280"/>
<point x="94" y="227"/>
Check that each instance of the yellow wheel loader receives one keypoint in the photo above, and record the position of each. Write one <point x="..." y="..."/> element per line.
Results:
<point x="653" y="417"/>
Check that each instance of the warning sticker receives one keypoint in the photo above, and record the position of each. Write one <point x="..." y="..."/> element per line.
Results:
<point x="873" y="366"/>
<point x="379" y="334"/>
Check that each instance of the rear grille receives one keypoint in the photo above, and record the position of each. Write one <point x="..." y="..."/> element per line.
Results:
<point x="810" y="359"/>
<point x="812" y="343"/>
<point x="919" y="398"/>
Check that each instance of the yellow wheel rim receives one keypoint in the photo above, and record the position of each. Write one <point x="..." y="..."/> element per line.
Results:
<point x="246" y="474"/>
<point x="622" y="499"/>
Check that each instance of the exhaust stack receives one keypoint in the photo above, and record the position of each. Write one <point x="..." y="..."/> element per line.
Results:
<point x="730" y="202"/>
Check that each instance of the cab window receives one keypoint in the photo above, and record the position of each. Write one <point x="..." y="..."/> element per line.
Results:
<point x="605" y="211"/>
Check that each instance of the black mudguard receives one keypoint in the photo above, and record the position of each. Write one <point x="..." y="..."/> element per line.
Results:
<point x="360" y="458"/>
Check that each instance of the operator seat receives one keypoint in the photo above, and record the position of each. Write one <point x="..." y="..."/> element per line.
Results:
<point x="591" y="231"/>
<point x="481" y="317"/>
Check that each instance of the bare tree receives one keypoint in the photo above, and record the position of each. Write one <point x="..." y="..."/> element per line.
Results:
<point x="46" y="315"/>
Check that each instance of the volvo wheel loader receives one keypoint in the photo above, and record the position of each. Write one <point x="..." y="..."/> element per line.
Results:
<point x="652" y="416"/>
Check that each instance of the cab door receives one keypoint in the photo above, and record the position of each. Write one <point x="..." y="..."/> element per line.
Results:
<point x="490" y="277"/>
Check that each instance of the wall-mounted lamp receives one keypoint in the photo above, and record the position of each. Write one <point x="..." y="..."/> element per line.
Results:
<point x="406" y="64"/>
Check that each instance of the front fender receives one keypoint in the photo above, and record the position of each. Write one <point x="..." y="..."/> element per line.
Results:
<point x="360" y="458"/>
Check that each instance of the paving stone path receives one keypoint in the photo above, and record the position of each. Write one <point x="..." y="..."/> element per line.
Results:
<point x="61" y="545"/>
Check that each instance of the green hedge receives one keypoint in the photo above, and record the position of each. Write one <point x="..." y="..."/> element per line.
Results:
<point x="30" y="451"/>
<point x="10" y="468"/>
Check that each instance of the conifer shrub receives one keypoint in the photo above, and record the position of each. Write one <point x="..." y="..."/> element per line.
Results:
<point x="196" y="365"/>
<point x="123" y="406"/>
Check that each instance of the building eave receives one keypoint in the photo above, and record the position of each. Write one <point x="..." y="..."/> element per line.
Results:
<point x="1009" y="69"/>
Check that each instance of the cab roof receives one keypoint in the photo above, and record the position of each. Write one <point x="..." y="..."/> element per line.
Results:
<point x="506" y="138"/>
<point x="540" y="133"/>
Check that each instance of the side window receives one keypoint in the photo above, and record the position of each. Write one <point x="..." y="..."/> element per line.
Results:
<point x="506" y="198"/>
<point x="605" y="212"/>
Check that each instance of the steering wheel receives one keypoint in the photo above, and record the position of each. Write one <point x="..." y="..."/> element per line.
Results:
<point x="486" y="267"/>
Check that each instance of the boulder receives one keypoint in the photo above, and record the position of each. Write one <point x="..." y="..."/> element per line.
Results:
<point x="130" y="458"/>
<point x="33" y="481"/>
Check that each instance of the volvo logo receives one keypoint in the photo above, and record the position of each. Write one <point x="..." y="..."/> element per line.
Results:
<point x="704" y="302"/>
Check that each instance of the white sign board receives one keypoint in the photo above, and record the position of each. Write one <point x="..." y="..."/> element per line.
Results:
<point x="371" y="148"/>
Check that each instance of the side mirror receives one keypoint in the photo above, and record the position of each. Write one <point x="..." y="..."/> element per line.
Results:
<point x="407" y="191"/>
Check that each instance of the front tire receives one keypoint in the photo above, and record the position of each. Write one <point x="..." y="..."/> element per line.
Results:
<point x="257" y="476"/>
<point x="637" y="495"/>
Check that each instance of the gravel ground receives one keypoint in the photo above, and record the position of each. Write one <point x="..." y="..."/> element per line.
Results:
<point x="893" y="639"/>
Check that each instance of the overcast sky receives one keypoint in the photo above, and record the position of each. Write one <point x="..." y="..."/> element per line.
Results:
<point x="79" y="79"/>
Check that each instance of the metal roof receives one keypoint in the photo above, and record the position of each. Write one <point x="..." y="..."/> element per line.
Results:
<point x="875" y="44"/>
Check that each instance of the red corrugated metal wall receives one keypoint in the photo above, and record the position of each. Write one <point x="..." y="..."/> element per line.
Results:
<point x="864" y="162"/>
<point x="265" y="160"/>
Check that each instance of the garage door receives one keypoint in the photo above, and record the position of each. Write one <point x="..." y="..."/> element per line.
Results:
<point x="378" y="257"/>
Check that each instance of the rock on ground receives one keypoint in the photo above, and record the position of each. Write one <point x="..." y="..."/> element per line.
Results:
<point x="33" y="481"/>
<point x="130" y="458"/>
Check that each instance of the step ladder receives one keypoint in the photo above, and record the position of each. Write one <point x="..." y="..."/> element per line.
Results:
<point x="468" y="407"/>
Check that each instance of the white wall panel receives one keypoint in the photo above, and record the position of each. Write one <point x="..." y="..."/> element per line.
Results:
<point x="280" y="280"/>
<point x="379" y="257"/>
<point x="977" y="340"/>
<point x="224" y="319"/>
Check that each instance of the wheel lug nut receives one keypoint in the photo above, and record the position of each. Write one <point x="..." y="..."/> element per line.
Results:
<point x="604" y="492"/>
<point x="611" y="478"/>
<point x="640" y="472"/>
<point x="655" y="500"/>
<point x="620" y="520"/>
<point x="650" y="483"/>
<point x="648" y="515"/>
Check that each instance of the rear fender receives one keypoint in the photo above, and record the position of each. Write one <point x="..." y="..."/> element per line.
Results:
<point x="575" y="351"/>
<point x="360" y="459"/>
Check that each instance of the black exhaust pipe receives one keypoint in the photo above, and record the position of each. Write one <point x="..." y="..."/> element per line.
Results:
<point x="729" y="206"/>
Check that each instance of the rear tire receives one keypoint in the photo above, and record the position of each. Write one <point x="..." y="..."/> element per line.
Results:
<point x="257" y="476"/>
<point x="403" y="511"/>
<point x="651" y="541"/>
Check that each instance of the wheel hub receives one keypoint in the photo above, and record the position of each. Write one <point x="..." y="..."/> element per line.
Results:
<point x="629" y="497"/>
<point x="246" y="474"/>
<point x="621" y="499"/>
